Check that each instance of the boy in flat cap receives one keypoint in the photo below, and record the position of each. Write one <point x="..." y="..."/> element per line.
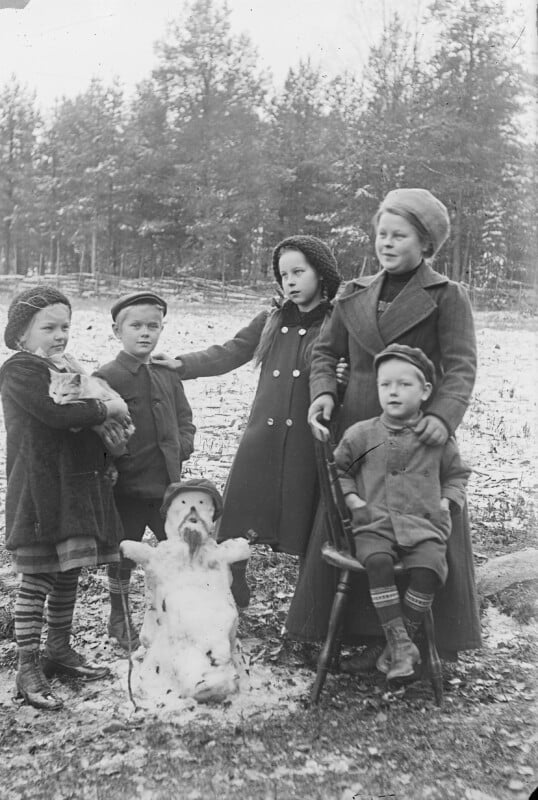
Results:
<point x="163" y="437"/>
<point x="398" y="490"/>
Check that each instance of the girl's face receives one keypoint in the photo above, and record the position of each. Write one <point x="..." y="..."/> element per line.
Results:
<point x="397" y="244"/>
<point x="300" y="282"/>
<point x="48" y="331"/>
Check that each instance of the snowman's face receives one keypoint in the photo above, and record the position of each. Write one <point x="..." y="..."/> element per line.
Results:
<point x="190" y="518"/>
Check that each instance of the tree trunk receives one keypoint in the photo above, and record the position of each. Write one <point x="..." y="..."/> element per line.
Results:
<point x="457" y="247"/>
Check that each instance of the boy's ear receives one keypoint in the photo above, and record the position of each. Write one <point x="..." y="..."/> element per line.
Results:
<point x="428" y="389"/>
<point x="116" y="330"/>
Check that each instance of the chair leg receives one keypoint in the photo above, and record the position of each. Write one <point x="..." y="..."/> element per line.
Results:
<point x="434" y="662"/>
<point x="335" y="621"/>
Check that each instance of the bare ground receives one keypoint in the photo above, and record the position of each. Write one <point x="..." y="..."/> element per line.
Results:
<point x="268" y="742"/>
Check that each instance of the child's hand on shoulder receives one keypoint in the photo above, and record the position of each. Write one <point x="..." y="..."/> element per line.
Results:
<point x="166" y="361"/>
<point x="431" y="431"/>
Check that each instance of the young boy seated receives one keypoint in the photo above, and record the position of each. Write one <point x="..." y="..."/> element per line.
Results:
<point x="399" y="493"/>
<point x="162" y="441"/>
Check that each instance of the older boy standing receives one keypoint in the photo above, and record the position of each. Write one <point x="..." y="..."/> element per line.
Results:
<point x="162" y="441"/>
<point x="399" y="491"/>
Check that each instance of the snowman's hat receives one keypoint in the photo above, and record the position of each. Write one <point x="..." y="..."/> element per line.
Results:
<point x="194" y="484"/>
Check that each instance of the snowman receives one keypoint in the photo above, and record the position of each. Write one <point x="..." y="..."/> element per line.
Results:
<point x="188" y="638"/>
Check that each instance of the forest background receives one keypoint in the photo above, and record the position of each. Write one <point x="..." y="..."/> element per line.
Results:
<point x="206" y="165"/>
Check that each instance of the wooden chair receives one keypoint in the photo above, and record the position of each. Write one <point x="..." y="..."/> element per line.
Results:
<point x="338" y="551"/>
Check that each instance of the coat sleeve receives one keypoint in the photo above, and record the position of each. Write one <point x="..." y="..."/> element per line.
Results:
<point x="185" y="424"/>
<point x="221" y="358"/>
<point x="29" y="389"/>
<point x="457" y="346"/>
<point x="331" y="345"/>
<point x="454" y="474"/>
<point x="347" y="465"/>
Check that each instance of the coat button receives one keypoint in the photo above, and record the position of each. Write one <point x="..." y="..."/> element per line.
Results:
<point x="276" y="373"/>
<point x="302" y="331"/>
<point x="427" y="515"/>
<point x="394" y="472"/>
<point x="289" y="423"/>
<point x="270" y="421"/>
<point x="296" y="373"/>
<point x="284" y="329"/>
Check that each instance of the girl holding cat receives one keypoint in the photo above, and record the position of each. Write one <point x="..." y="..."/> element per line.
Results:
<point x="60" y="512"/>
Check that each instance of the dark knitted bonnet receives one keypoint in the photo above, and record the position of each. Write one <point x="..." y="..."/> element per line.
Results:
<point x="318" y="256"/>
<point x="24" y="306"/>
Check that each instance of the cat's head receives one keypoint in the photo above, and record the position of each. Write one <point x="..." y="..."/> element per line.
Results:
<point x="64" y="386"/>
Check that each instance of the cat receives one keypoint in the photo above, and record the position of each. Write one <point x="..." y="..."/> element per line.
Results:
<point x="74" y="387"/>
<point x="70" y="387"/>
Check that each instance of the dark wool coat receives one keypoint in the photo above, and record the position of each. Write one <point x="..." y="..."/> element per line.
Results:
<point x="272" y="488"/>
<point x="162" y="416"/>
<point x="433" y="313"/>
<point x="56" y="482"/>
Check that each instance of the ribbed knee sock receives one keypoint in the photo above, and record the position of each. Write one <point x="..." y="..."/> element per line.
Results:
<point x="386" y="600"/>
<point x="419" y="597"/>
<point x="61" y="603"/>
<point x="29" y="606"/>
<point x="119" y="578"/>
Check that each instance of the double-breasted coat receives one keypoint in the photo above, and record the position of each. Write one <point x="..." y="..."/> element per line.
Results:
<point x="272" y="488"/>
<point x="433" y="313"/>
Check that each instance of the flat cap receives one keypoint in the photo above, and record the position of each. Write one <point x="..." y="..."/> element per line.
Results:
<point x="138" y="299"/>
<point x="413" y="355"/>
<point x="194" y="484"/>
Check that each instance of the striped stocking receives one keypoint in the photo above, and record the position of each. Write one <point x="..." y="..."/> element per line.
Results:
<point x="29" y="606"/>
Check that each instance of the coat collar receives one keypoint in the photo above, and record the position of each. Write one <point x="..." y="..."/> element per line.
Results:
<point x="414" y="303"/>
<point x="130" y="362"/>
<point x="293" y="317"/>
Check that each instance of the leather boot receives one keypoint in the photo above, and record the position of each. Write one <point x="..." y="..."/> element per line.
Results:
<point x="32" y="684"/>
<point x="364" y="663"/>
<point x="59" y="658"/>
<point x="404" y="655"/>
<point x="117" y="629"/>
<point x="383" y="662"/>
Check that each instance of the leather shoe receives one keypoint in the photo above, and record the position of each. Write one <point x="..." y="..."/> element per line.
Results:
<point x="69" y="662"/>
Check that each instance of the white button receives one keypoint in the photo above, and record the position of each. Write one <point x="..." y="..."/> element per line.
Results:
<point x="270" y="421"/>
<point x="284" y="329"/>
<point x="276" y="373"/>
<point x="296" y="373"/>
<point x="302" y="331"/>
<point x="289" y="423"/>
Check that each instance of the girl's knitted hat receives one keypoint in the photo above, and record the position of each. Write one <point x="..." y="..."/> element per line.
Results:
<point x="318" y="256"/>
<point x="427" y="209"/>
<point x="24" y="306"/>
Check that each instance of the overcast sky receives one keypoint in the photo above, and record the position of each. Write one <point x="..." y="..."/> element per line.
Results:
<point x="56" y="46"/>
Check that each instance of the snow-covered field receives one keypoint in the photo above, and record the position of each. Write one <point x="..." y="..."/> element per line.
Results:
<point x="498" y="439"/>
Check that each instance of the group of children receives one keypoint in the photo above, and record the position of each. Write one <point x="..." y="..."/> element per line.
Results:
<point x="400" y="469"/>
